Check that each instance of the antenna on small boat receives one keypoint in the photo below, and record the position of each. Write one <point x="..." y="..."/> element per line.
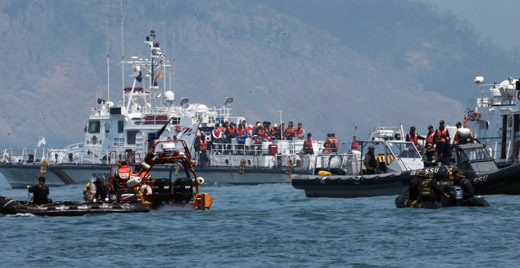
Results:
<point x="122" y="56"/>
<point x="108" y="64"/>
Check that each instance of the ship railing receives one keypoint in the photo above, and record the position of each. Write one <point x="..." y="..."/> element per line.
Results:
<point x="349" y="163"/>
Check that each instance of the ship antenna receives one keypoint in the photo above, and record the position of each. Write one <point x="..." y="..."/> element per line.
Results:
<point x="108" y="65"/>
<point x="122" y="56"/>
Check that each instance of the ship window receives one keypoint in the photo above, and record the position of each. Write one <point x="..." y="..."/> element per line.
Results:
<point x="93" y="126"/>
<point x="107" y="127"/>
<point x="130" y="138"/>
<point x="176" y="120"/>
<point x="120" y="126"/>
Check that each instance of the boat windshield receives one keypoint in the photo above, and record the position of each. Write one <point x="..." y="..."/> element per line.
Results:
<point x="475" y="154"/>
<point x="404" y="149"/>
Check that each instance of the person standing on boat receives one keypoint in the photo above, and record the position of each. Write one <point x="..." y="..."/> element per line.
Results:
<point x="275" y="132"/>
<point x="370" y="161"/>
<point x="429" y="137"/>
<point x="300" y="132"/>
<point x="334" y="142"/>
<point x="122" y="175"/>
<point x="354" y="145"/>
<point x="414" y="137"/>
<point x="242" y="135"/>
<point x="307" y="145"/>
<point x="327" y="146"/>
<point x="40" y="192"/>
<point x="441" y="139"/>
<point x="290" y="132"/>
<point x="458" y="140"/>
<point x="216" y="136"/>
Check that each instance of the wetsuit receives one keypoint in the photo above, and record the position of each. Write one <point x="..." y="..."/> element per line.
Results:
<point x="413" y="190"/>
<point x="40" y="191"/>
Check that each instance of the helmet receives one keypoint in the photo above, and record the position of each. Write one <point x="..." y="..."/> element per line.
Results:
<point x="275" y="125"/>
<point x="454" y="170"/>
<point x="459" y="174"/>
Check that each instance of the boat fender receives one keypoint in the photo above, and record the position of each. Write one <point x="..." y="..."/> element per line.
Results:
<point x="324" y="173"/>
<point x="200" y="180"/>
<point x="464" y="132"/>
<point x="145" y="189"/>
<point x="242" y="168"/>
<point x="133" y="181"/>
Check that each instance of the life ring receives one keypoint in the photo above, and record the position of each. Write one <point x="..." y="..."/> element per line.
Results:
<point x="200" y="180"/>
<point x="145" y="189"/>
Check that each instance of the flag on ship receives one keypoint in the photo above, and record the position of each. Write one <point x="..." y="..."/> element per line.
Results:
<point x="191" y="130"/>
<point x="139" y="78"/>
<point x="159" y="75"/>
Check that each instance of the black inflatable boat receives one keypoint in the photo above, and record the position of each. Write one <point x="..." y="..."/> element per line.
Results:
<point x="402" y="201"/>
<point x="66" y="208"/>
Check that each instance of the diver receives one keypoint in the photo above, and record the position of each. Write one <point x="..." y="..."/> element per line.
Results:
<point x="413" y="190"/>
<point x="467" y="189"/>
<point x="40" y="192"/>
<point x="428" y="190"/>
<point x="446" y="183"/>
<point x="96" y="190"/>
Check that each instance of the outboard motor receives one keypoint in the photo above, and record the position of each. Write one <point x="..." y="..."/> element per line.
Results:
<point x="126" y="196"/>
<point x="162" y="191"/>
<point x="182" y="190"/>
<point x="456" y="193"/>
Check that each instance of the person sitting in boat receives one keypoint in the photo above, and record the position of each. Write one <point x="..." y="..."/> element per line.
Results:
<point x="413" y="189"/>
<point x="429" y="191"/>
<point x="370" y="161"/>
<point x="446" y="183"/>
<point x="40" y="192"/>
<point x="467" y="189"/>
<point x="414" y="137"/>
<point x="307" y="145"/>
<point x="96" y="190"/>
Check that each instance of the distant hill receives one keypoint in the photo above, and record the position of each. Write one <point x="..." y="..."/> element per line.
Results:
<point x="328" y="64"/>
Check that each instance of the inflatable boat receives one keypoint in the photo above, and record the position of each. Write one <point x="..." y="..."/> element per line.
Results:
<point x="402" y="201"/>
<point x="66" y="208"/>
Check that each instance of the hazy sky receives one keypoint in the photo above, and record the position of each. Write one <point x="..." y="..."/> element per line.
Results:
<point x="496" y="21"/>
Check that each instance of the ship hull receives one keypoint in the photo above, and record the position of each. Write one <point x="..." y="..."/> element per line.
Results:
<point x="19" y="176"/>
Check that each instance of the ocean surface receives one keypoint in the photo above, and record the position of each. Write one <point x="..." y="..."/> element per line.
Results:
<point x="266" y="226"/>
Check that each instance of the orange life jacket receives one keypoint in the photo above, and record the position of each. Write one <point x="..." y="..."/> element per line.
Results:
<point x="413" y="139"/>
<point x="231" y="131"/>
<point x="354" y="146"/>
<point x="429" y="138"/>
<point x="328" y="147"/>
<point x="291" y="131"/>
<point x="261" y="132"/>
<point x="299" y="133"/>
<point x="216" y="132"/>
<point x="307" y="144"/>
<point x="123" y="172"/>
<point x="439" y="134"/>
<point x="203" y="145"/>
<point x="240" y="132"/>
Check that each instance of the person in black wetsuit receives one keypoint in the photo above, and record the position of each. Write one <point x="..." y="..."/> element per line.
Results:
<point x="102" y="191"/>
<point x="40" y="192"/>
<point x="467" y="189"/>
<point x="413" y="190"/>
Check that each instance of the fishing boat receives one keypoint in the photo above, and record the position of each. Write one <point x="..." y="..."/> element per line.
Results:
<point x="126" y="127"/>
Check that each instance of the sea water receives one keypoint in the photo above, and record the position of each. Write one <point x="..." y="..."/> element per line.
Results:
<point x="266" y="226"/>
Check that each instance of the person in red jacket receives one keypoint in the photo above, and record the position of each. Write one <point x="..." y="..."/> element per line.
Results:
<point x="300" y="132"/>
<point x="414" y="137"/>
<point x="307" y="145"/>
<point x="290" y="133"/>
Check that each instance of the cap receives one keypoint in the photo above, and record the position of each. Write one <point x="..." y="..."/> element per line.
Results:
<point x="371" y="147"/>
<point x="412" y="128"/>
<point x="458" y="124"/>
<point x="430" y="127"/>
<point x="441" y="122"/>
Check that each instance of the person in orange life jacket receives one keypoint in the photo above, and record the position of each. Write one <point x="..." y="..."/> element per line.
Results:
<point x="122" y="175"/>
<point x="458" y="140"/>
<point x="242" y="135"/>
<point x="334" y="142"/>
<point x="268" y="135"/>
<point x="216" y="136"/>
<point x="327" y="146"/>
<point x="260" y="133"/>
<point x="275" y="132"/>
<point x="414" y="137"/>
<point x="429" y="137"/>
<point x="307" y="144"/>
<point x="202" y="148"/>
<point x="290" y="133"/>
<point x="441" y="139"/>
<point x="300" y="131"/>
<point x="354" y="145"/>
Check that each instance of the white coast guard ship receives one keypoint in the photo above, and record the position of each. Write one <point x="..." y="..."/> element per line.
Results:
<point x="495" y="119"/>
<point x="122" y="132"/>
